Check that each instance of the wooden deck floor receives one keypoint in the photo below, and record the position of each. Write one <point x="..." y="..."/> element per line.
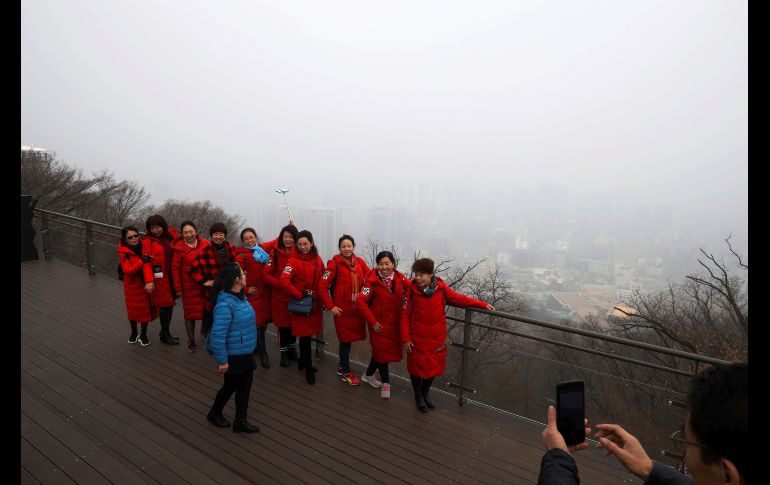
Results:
<point x="95" y="409"/>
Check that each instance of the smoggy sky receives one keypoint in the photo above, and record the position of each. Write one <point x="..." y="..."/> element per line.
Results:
<point x="644" y="102"/>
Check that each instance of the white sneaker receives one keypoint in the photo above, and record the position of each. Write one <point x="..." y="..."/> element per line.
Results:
<point x="385" y="392"/>
<point x="371" y="380"/>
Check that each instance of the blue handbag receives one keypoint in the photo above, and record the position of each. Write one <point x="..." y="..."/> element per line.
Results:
<point x="303" y="306"/>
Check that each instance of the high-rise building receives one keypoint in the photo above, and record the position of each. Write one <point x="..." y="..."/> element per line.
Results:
<point x="322" y="222"/>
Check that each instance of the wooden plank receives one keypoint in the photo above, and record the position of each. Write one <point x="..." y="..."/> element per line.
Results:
<point x="39" y="467"/>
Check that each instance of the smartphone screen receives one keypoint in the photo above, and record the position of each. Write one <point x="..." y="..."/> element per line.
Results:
<point x="570" y="412"/>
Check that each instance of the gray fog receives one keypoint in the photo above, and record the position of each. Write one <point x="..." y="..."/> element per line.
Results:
<point x="540" y="119"/>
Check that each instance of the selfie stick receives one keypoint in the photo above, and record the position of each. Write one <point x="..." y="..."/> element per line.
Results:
<point x="283" y="192"/>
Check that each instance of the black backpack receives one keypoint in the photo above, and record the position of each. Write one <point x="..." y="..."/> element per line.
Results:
<point x="120" y="272"/>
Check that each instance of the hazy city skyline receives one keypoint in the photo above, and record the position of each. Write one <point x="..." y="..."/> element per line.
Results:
<point x="528" y="110"/>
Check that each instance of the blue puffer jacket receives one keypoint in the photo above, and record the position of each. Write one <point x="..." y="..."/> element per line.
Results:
<point x="234" y="331"/>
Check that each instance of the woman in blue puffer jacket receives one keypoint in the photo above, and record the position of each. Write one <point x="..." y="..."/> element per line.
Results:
<point x="231" y="340"/>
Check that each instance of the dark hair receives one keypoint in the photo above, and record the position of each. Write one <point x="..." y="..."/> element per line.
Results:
<point x="125" y="230"/>
<point x="719" y="414"/>
<point x="225" y="279"/>
<point x="291" y="229"/>
<point x="348" y="237"/>
<point x="187" y="223"/>
<point x="217" y="227"/>
<point x="248" y="229"/>
<point x="385" y="254"/>
<point x="309" y="236"/>
<point x="157" y="220"/>
<point x="423" y="265"/>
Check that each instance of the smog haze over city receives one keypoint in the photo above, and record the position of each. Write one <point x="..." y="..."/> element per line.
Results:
<point x="573" y="143"/>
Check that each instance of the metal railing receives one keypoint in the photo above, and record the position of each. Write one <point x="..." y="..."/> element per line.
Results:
<point x="48" y="217"/>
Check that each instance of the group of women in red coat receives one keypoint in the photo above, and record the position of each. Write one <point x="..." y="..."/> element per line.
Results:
<point x="398" y="314"/>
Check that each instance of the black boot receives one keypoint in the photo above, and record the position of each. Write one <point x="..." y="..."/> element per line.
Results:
<point x="165" y="322"/>
<point x="292" y="352"/>
<point x="284" y="358"/>
<point x="418" y="396"/>
<point x="218" y="420"/>
<point x="243" y="426"/>
<point x="426" y="383"/>
<point x="310" y="374"/>
<point x="261" y="348"/>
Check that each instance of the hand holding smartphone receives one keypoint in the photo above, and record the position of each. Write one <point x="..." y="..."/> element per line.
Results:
<point x="570" y="412"/>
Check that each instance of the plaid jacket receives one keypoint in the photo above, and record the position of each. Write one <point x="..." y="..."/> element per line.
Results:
<point x="206" y="266"/>
<point x="207" y="262"/>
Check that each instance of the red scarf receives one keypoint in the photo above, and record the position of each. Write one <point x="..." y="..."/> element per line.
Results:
<point x="353" y="275"/>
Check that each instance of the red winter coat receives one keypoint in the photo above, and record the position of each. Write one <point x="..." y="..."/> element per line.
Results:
<point x="163" y="293"/>
<point x="303" y="272"/>
<point x="350" y="325"/>
<point x="192" y="298"/>
<point x="279" y="299"/>
<point x="260" y="300"/>
<point x="138" y="305"/>
<point x="376" y="303"/>
<point x="207" y="265"/>
<point x="423" y="321"/>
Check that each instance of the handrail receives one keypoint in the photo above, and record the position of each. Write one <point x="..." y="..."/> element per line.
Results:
<point x="589" y="333"/>
<point x="96" y="223"/>
<point x="87" y="224"/>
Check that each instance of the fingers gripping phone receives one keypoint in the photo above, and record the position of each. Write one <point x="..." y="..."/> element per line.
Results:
<point x="570" y="412"/>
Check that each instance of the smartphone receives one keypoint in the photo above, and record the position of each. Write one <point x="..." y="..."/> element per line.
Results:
<point x="570" y="411"/>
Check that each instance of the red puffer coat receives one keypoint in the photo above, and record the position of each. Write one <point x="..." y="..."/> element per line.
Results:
<point x="260" y="300"/>
<point x="376" y="303"/>
<point x="423" y="322"/>
<point x="279" y="299"/>
<point x="159" y="269"/>
<point x="192" y="298"/>
<point x="350" y="325"/>
<point x="303" y="272"/>
<point x="138" y="305"/>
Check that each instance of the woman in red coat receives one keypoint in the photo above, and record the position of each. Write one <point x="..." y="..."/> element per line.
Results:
<point x="279" y="299"/>
<point x="380" y="302"/>
<point x="137" y="292"/>
<point x="338" y="289"/>
<point x="423" y="327"/>
<point x="157" y="244"/>
<point x="185" y="251"/>
<point x="300" y="278"/>
<point x="252" y="258"/>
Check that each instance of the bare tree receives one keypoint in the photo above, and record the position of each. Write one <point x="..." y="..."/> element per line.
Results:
<point x="202" y="213"/>
<point x="373" y="248"/>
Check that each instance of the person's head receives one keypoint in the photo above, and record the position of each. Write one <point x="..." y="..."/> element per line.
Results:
<point x="305" y="243"/>
<point x="288" y="236"/>
<point x="231" y="277"/>
<point x="386" y="263"/>
<point x="423" y="272"/>
<point x="189" y="231"/>
<point x="249" y="237"/>
<point x="346" y="245"/>
<point x="156" y="225"/>
<point x="218" y="233"/>
<point x="129" y="236"/>
<point x="717" y="425"/>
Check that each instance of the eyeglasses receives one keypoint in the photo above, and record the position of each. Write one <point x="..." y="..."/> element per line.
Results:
<point x="680" y="444"/>
<point x="135" y="236"/>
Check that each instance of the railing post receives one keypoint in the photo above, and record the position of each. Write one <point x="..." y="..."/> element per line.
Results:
<point x="90" y="249"/>
<point x="46" y="237"/>
<point x="466" y="345"/>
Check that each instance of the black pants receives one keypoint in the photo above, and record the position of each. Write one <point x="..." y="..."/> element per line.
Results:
<point x="304" y="351"/>
<point x="383" y="368"/>
<point x="286" y="338"/>
<point x="345" y="356"/>
<point x="240" y="384"/>
<point x="165" y="314"/>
